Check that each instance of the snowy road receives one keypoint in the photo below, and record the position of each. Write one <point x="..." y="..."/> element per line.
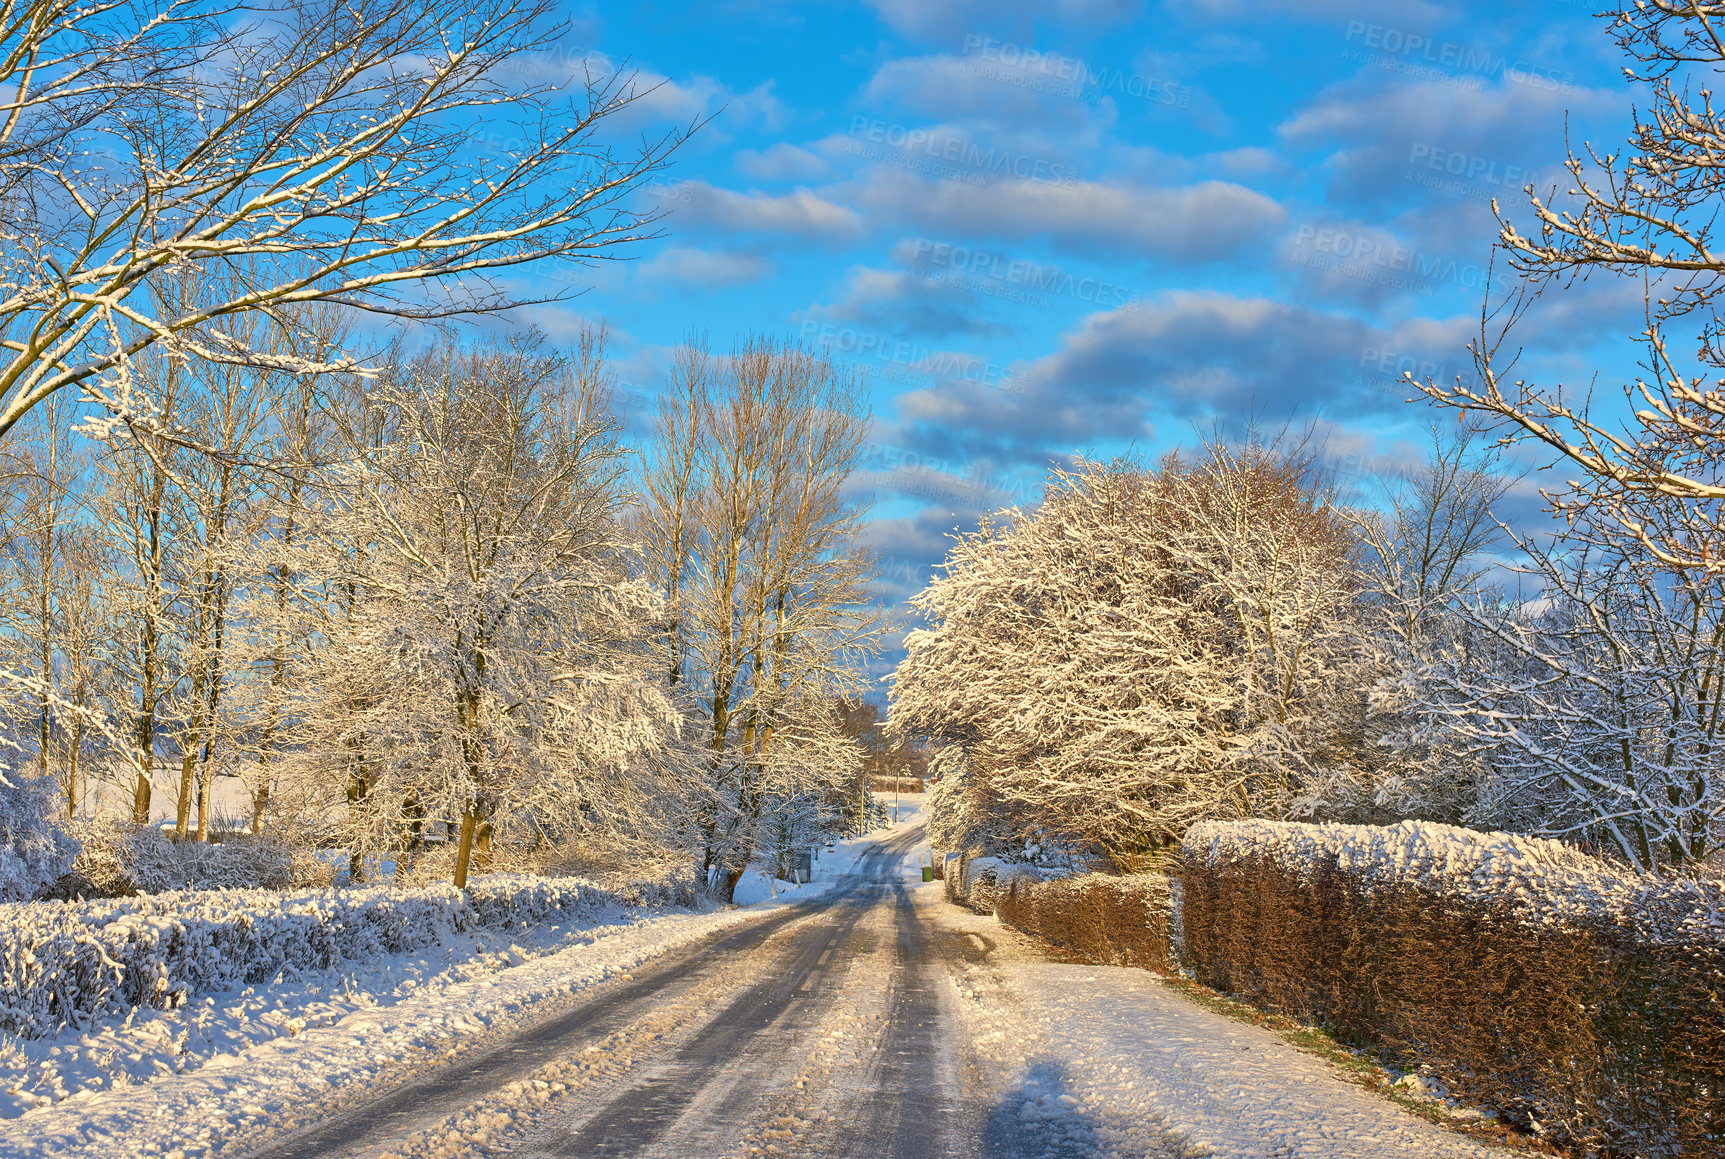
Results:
<point x="814" y="1030"/>
<point x="875" y="1020"/>
<point x="871" y="1019"/>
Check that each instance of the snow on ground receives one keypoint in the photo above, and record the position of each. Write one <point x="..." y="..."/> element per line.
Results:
<point x="848" y="1033"/>
<point x="289" y="1054"/>
<point x="149" y="1043"/>
<point x="180" y="1082"/>
<point x="833" y="864"/>
<point x="1118" y="1064"/>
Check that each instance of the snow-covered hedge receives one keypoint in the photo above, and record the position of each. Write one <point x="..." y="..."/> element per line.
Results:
<point x="977" y="882"/>
<point x="1115" y="921"/>
<point x="1576" y="996"/>
<point x="1540" y="881"/>
<point x="69" y="962"/>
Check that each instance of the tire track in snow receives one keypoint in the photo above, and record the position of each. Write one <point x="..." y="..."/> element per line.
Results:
<point x="390" y="1122"/>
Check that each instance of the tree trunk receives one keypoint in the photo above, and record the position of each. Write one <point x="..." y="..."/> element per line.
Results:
<point x="183" y="807"/>
<point x="205" y="787"/>
<point x="141" y="799"/>
<point x="464" y="849"/>
<point x="482" y="847"/>
<point x="189" y="761"/>
<point x="151" y="647"/>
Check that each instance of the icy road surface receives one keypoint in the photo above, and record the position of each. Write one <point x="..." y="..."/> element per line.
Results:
<point x="867" y="1018"/>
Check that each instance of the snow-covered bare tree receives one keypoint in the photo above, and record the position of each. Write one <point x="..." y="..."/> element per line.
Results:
<point x="482" y="654"/>
<point x="180" y="527"/>
<point x="1595" y="707"/>
<point x="755" y="543"/>
<point x="325" y="148"/>
<point x="45" y="519"/>
<point x="1429" y="545"/>
<point x="137" y="513"/>
<point x="1650" y="213"/>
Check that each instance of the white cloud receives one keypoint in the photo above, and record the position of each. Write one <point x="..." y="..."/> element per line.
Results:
<point x="972" y="87"/>
<point x="1195" y="223"/>
<point x="948" y="19"/>
<point x="698" y="267"/>
<point x="800" y="214"/>
<point x="904" y="302"/>
<point x="783" y="162"/>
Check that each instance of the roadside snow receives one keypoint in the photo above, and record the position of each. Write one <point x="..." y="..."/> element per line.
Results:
<point x="837" y="863"/>
<point x="149" y="1043"/>
<point x="1118" y="1064"/>
<point x="360" y="1030"/>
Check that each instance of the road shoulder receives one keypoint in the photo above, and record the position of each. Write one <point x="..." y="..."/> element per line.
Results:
<point x="1112" y="1061"/>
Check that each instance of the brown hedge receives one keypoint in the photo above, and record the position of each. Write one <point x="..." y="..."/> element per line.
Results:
<point x="1591" y="1031"/>
<point x="1117" y="921"/>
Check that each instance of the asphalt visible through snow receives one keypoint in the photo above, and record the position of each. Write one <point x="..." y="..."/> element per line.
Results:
<point x="818" y="1030"/>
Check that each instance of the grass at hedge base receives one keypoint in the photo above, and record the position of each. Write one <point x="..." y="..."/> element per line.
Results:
<point x="1583" y="1029"/>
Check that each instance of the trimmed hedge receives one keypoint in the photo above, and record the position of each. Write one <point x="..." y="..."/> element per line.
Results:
<point x="1580" y="999"/>
<point x="1114" y="921"/>
<point x="65" y="963"/>
<point x="975" y="882"/>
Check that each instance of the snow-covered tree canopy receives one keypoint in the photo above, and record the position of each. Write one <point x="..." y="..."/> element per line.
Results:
<point x="482" y="648"/>
<point x="752" y="533"/>
<point x="1148" y="649"/>
<point x="1217" y="639"/>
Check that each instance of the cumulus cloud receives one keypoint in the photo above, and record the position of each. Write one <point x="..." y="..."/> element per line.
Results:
<point x="800" y="214"/>
<point x="659" y="99"/>
<point x="1433" y="140"/>
<point x="698" y="267"/>
<point x="1185" y="357"/>
<point x="948" y="86"/>
<point x="1208" y="221"/>
<point x="783" y="162"/>
<point x="1191" y="354"/>
<point x="1421" y="13"/>
<point x="906" y="302"/>
<point x="953" y="18"/>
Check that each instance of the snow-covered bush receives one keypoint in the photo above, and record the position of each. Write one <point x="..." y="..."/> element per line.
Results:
<point x="69" y="962"/>
<point x="35" y="848"/>
<point x="118" y="857"/>
<point x="1568" y="992"/>
<point x="978" y="882"/>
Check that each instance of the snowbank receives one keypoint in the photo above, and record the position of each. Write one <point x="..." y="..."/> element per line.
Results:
<point x="67" y="963"/>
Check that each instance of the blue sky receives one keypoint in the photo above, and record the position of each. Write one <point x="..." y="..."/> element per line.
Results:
<point x="1035" y="230"/>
